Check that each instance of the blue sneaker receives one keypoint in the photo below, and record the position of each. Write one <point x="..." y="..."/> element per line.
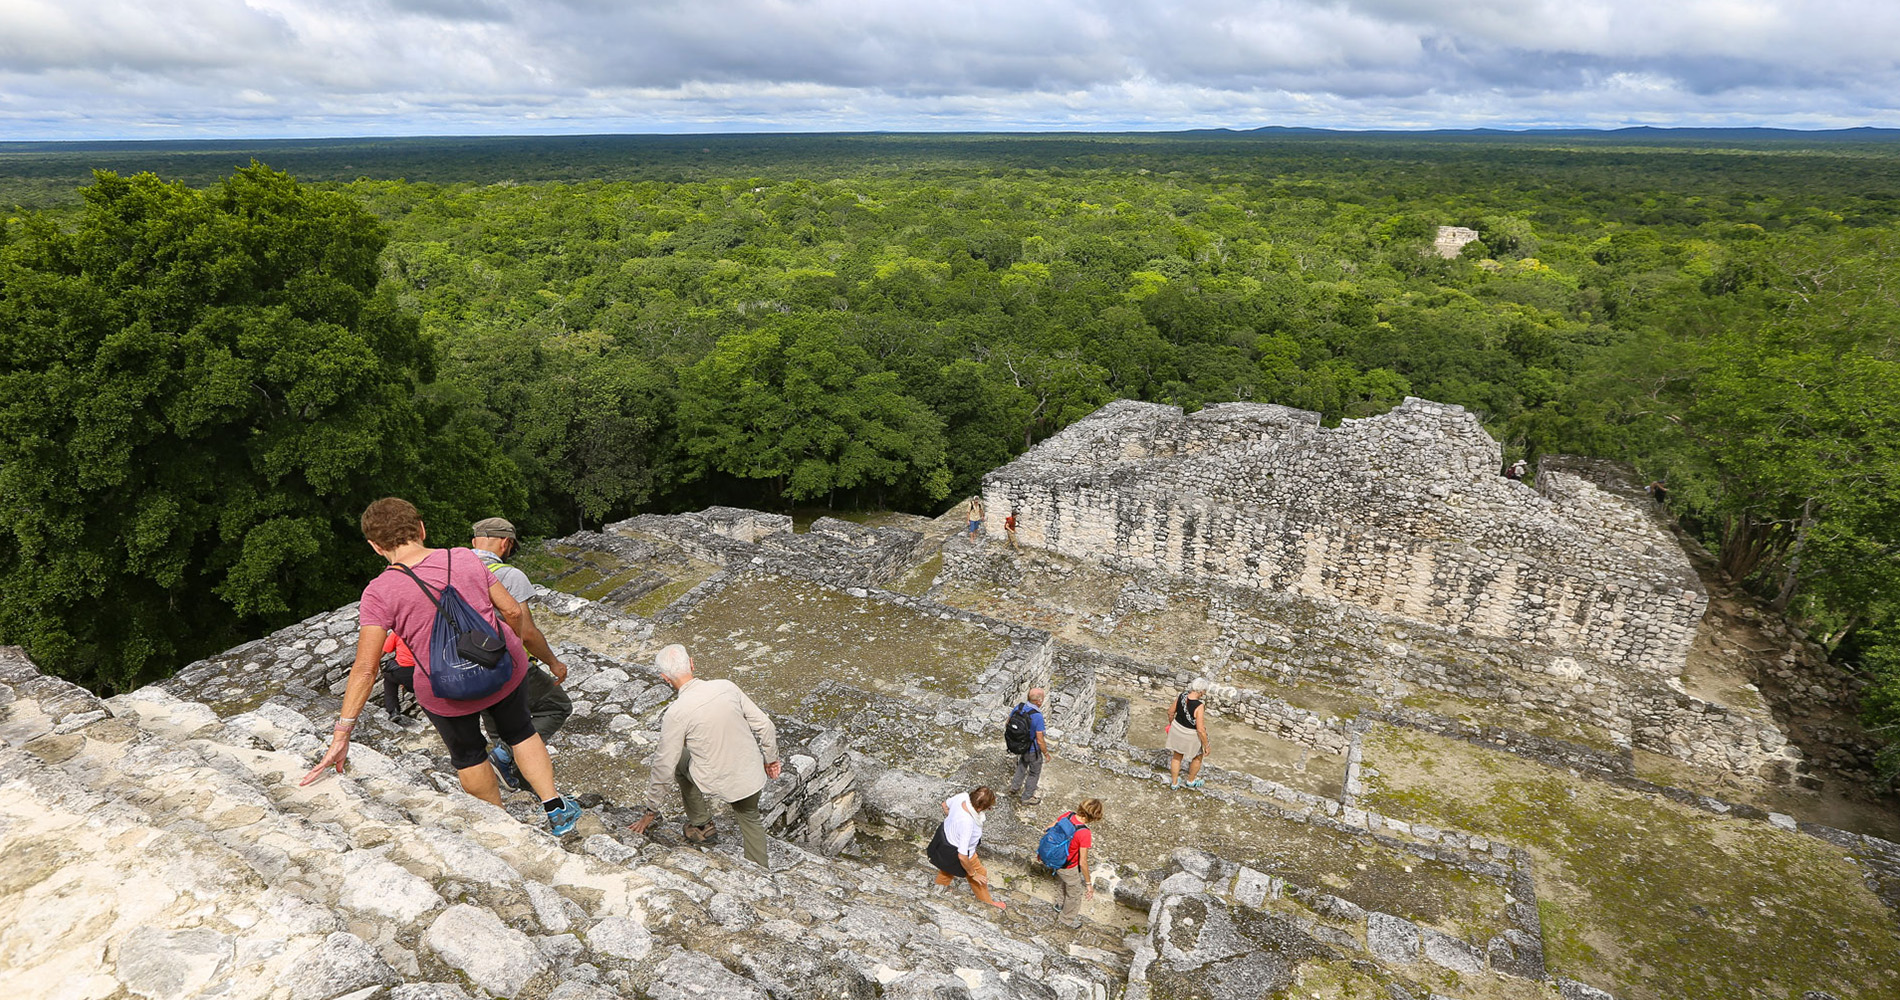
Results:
<point x="562" y="820"/>
<point x="504" y="761"/>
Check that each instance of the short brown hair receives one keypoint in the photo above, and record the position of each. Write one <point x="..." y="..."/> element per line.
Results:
<point x="1090" y="809"/>
<point x="390" y="522"/>
<point x="981" y="798"/>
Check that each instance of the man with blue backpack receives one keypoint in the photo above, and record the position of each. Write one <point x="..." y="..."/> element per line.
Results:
<point x="1022" y="737"/>
<point x="1064" y="848"/>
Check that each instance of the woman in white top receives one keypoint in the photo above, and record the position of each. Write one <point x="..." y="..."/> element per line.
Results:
<point x="953" y="848"/>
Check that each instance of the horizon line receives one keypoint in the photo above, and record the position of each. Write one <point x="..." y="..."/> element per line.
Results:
<point x="1527" y="130"/>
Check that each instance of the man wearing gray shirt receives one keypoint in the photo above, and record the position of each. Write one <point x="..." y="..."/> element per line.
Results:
<point x="548" y="705"/>
<point x="713" y="742"/>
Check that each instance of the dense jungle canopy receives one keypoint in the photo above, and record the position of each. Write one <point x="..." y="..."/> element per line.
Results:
<point x="207" y="371"/>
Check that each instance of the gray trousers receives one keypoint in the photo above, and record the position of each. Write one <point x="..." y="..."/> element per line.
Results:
<point x="746" y="811"/>
<point x="1073" y="891"/>
<point x="548" y="704"/>
<point x="1028" y="773"/>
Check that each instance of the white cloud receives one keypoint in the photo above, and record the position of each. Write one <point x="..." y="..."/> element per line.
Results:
<point x="86" y="68"/>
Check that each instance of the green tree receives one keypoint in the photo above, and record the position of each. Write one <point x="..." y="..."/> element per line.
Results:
<point x="794" y="403"/>
<point x="199" y="392"/>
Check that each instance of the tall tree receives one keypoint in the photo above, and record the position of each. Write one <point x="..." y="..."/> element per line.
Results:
<point x="199" y="391"/>
<point x="795" y="404"/>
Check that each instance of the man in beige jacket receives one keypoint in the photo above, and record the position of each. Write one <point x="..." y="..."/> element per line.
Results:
<point x="713" y="741"/>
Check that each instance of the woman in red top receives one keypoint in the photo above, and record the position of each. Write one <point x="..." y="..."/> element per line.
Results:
<point x="393" y="603"/>
<point x="1074" y="877"/>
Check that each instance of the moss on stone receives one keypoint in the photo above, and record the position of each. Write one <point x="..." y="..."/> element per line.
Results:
<point x="1648" y="898"/>
<point x="918" y="580"/>
<point x="654" y="601"/>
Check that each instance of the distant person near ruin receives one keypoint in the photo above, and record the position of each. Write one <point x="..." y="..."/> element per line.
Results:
<point x="1023" y="737"/>
<point x="1516" y="470"/>
<point x="548" y="705"/>
<point x="1064" y="848"/>
<point x="429" y="594"/>
<point x="1187" y="734"/>
<point x="1009" y="528"/>
<point x="975" y="515"/>
<point x="953" y="847"/>
<point x="1657" y="491"/>
<point x="713" y="741"/>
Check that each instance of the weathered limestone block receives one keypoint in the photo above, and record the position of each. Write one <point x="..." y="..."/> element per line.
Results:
<point x="690" y="975"/>
<point x="429" y="991"/>
<point x="374" y="885"/>
<point x="168" y="965"/>
<point x="1392" y="939"/>
<point x="1447" y="951"/>
<point x="342" y="963"/>
<point x="1570" y="989"/>
<point x="493" y="955"/>
<point x="1516" y="953"/>
<point x="620" y="937"/>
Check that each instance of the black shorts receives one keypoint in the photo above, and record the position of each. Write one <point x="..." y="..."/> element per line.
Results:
<point x="462" y="734"/>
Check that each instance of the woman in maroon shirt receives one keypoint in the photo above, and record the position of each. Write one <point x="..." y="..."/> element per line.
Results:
<point x="394" y="603"/>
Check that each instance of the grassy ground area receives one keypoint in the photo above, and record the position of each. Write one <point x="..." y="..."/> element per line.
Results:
<point x="1647" y="898"/>
<point x="778" y="638"/>
<point x="1835" y="805"/>
<point x="581" y="572"/>
<point x="1085" y="618"/>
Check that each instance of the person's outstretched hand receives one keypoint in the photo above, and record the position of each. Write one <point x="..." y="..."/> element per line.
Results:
<point x="640" y="825"/>
<point x="559" y="670"/>
<point x="773" y="770"/>
<point x="338" y="757"/>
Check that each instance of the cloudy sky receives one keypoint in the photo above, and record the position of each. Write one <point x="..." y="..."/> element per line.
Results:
<point x="182" y="68"/>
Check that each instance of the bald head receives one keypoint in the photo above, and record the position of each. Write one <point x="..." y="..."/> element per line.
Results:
<point x="675" y="664"/>
<point x="1036" y="695"/>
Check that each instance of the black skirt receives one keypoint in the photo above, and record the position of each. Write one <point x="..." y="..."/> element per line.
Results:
<point x="944" y="856"/>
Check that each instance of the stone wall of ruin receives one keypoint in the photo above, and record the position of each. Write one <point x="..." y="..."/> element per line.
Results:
<point x="1710" y="735"/>
<point x="815" y="801"/>
<point x="1404" y="514"/>
<point x="833" y="551"/>
<point x="1262" y="711"/>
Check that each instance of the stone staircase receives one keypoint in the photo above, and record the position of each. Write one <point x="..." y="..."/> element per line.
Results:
<point x="154" y="849"/>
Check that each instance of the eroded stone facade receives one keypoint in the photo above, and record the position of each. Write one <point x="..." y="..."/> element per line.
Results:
<point x="1403" y="514"/>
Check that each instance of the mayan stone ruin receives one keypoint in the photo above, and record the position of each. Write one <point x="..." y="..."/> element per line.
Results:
<point x="1403" y="514"/>
<point x="1471" y="738"/>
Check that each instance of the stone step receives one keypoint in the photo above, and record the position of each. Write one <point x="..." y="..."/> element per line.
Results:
<point x="204" y="869"/>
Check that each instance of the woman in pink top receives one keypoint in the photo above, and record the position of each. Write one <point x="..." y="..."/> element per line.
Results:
<point x="393" y="603"/>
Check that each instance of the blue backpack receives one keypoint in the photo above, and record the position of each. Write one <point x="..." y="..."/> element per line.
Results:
<point x="467" y="657"/>
<point x="1054" y="848"/>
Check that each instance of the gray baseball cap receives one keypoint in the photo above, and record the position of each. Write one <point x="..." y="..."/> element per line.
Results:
<point x="493" y="527"/>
